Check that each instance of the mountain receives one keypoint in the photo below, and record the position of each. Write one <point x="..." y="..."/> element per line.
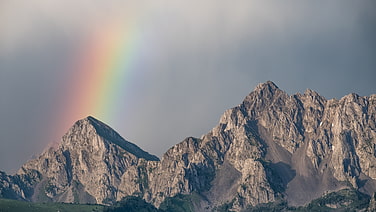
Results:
<point x="86" y="167"/>
<point x="271" y="148"/>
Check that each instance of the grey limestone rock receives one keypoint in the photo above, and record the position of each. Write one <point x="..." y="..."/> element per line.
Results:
<point x="273" y="146"/>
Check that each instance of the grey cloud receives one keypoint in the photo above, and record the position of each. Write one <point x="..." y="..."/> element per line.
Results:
<point x="198" y="59"/>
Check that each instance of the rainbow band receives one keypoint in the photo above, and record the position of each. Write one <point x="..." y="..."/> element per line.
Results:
<point x="103" y="69"/>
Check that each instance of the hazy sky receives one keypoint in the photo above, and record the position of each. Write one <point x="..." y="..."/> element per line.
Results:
<point x="192" y="61"/>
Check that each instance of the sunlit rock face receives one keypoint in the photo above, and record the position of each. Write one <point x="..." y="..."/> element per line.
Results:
<point x="87" y="167"/>
<point x="271" y="147"/>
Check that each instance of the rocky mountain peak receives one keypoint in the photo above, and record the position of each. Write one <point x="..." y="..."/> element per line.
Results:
<point x="312" y="93"/>
<point x="272" y="147"/>
<point x="86" y="129"/>
<point x="266" y="89"/>
<point x="265" y="95"/>
<point x="267" y="85"/>
<point x="87" y="166"/>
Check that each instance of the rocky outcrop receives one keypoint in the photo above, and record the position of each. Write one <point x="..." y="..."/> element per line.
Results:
<point x="311" y="144"/>
<point x="87" y="167"/>
<point x="18" y="187"/>
<point x="271" y="147"/>
<point x="372" y="203"/>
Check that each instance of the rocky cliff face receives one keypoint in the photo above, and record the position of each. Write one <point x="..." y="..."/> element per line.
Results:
<point x="313" y="145"/>
<point x="271" y="147"/>
<point x="86" y="167"/>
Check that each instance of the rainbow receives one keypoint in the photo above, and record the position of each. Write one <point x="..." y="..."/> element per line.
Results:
<point x="102" y="70"/>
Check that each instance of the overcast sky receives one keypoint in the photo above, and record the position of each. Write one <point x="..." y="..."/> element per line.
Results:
<point x="198" y="58"/>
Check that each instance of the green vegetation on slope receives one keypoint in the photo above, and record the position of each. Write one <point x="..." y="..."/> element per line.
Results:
<point x="7" y="205"/>
<point x="343" y="200"/>
<point x="347" y="200"/>
<point x="132" y="204"/>
<point x="179" y="203"/>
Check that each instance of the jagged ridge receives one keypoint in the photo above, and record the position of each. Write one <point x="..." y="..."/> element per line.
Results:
<point x="271" y="147"/>
<point x="109" y="134"/>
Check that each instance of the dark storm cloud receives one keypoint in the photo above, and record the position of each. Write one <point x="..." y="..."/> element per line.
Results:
<point x="200" y="58"/>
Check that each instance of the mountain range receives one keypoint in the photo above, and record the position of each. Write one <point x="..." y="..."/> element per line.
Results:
<point x="272" y="148"/>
